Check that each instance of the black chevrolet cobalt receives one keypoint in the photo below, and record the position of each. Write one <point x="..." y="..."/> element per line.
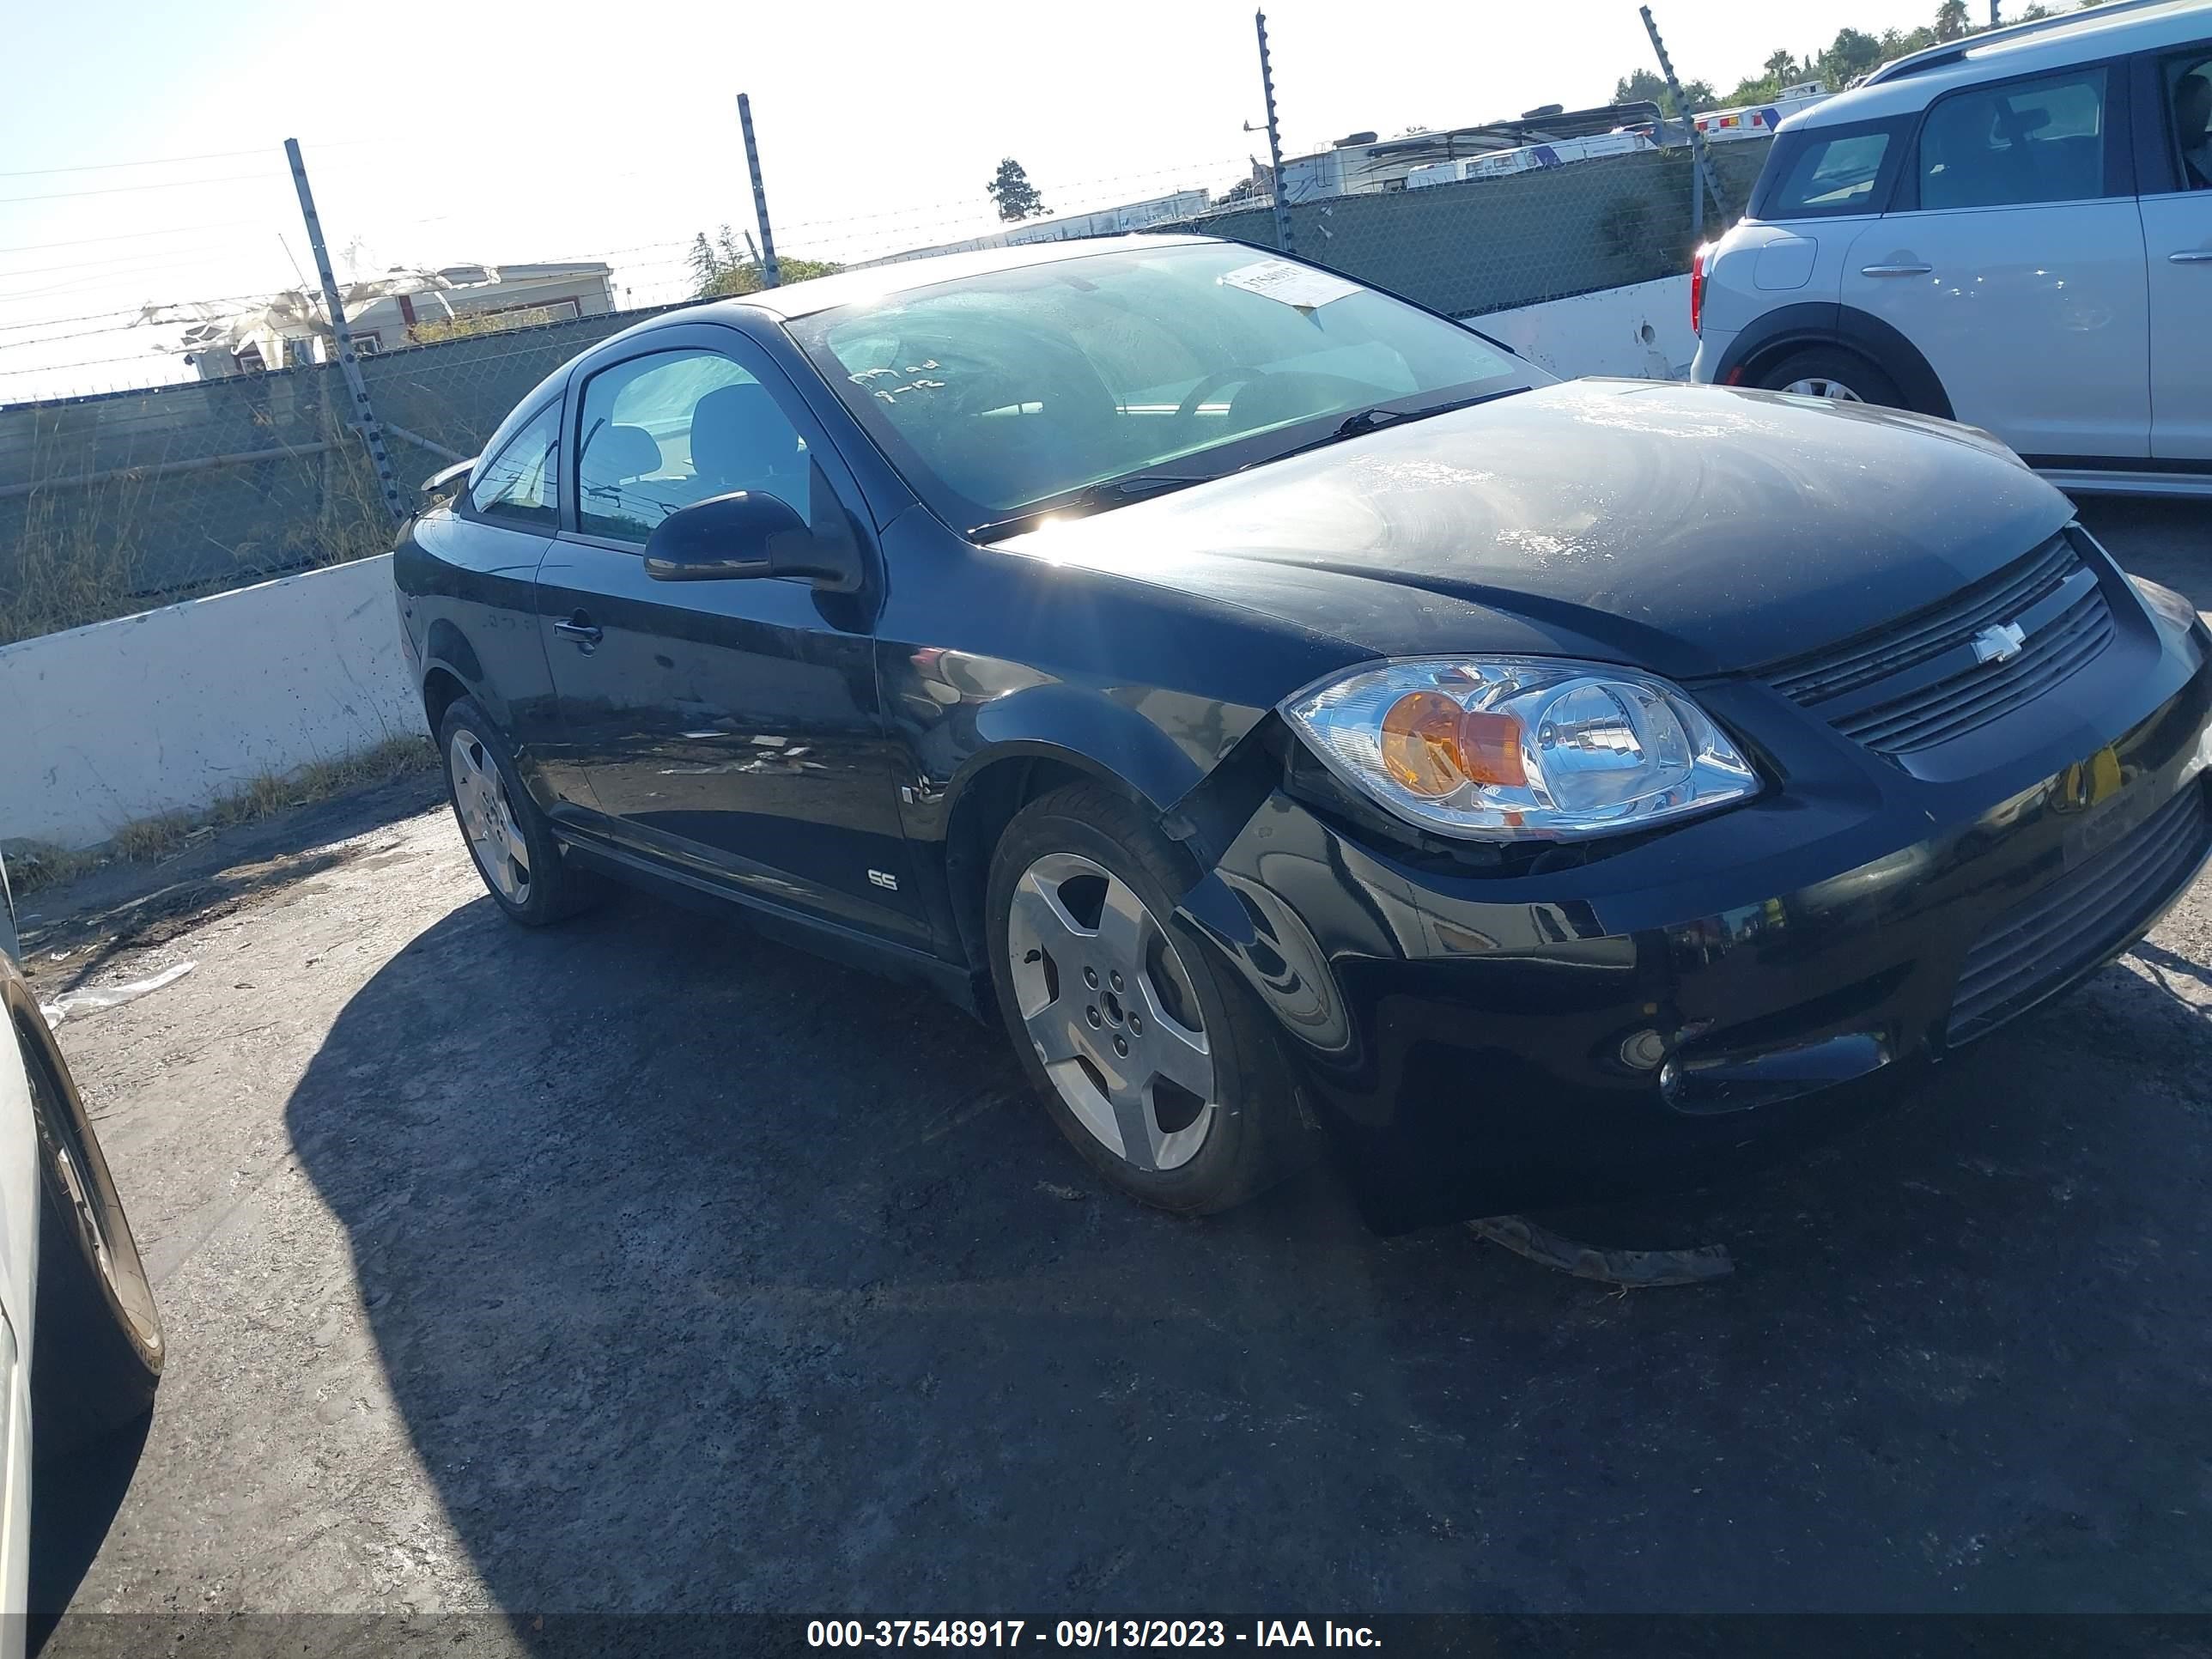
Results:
<point x="1305" y="724"/>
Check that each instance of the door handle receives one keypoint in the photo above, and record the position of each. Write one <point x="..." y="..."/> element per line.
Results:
<point x="2195" y="255"/>
<point x="1895" y="271"/>
<point x="578" y="628"/>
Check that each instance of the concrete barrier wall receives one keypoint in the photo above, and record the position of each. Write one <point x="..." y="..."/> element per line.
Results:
<point x="173" y="709"/>
<point x="1641" y="333"/>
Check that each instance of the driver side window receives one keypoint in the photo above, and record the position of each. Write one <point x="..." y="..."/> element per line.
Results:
<point x="663" y="431"/>
<point x="2189" y="105"/>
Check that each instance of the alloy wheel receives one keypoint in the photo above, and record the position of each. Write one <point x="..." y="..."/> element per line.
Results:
<point x="487" y="817"/>
<point x="1110" y="1010"/>
<point x="1819" y="385"/>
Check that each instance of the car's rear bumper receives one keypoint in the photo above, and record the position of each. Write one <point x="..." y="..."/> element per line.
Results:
<point x="1478" y="1046"/>
<point x="1712" y="346"/>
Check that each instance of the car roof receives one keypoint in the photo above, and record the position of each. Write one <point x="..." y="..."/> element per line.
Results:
<point x="1910" y="83"/>
<point x="876" y="282"/>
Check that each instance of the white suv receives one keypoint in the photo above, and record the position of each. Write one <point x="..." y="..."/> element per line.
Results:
<point x="2013" y="230"/>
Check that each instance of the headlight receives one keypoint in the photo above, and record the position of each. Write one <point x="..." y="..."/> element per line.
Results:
<point x="2177" y="610"/>
<point x="1520" y="748"/>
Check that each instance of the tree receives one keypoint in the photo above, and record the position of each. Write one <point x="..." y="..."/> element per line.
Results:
<point x="720" y="267"/>
<point x="1782" y="69"/>
<point x="1852" y="54"/>
<point x="1645" y="87"/>
<point x="1017" y="197"/>
<point x="1849" y="55"/>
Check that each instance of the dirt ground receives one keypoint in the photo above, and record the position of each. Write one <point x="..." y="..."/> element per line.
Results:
<point x="642" y="1264"/>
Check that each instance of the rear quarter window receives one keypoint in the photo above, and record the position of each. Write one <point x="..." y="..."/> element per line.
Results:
<point x="1827" y="171"/>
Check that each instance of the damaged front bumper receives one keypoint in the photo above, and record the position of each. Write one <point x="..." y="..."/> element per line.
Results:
<point x="1479" y="1044"/>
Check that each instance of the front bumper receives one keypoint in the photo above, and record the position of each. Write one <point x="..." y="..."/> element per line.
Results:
<point x="1478" y="1045"/>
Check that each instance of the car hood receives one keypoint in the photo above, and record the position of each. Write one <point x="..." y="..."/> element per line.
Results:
<point x="1694" y="530"/>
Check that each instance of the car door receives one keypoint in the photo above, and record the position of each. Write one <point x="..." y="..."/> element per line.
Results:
<point x="487" y="551"/>
<point x="2012" y="259"/>
<point x="2175" y="152"/>
<point x="729" y="729"/>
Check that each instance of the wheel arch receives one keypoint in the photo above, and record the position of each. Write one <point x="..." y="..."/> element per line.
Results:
<point x="441" y="690"/>
<point x="451" y="671"/>
<point x="1786" y="329"/>
<point x="983" y="799"/>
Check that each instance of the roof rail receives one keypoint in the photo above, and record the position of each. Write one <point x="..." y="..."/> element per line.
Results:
<point x="1950" y="51"/>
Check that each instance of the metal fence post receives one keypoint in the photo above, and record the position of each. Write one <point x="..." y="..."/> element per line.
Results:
<point x="364" y="417"/>
<point x="769" y="275"/>
<point x="1275" y="136"/>
<point x="1705" y="166"/>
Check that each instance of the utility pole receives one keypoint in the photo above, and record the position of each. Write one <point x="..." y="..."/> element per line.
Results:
<point x="1275" y="136"/>
<point x="1697" y="153"/>
<point x="364" y="417"/>
<point x="770" y="276"/>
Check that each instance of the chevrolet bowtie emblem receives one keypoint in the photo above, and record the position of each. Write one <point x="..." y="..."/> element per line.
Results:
<point x="1999" y="643"/>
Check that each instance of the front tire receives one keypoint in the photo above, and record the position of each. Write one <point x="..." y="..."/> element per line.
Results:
<point x="97" y="1345"/>
<point x="509" y="838"/>
<point x="1153" y="1062"/>
<point x="1829" y="372"/>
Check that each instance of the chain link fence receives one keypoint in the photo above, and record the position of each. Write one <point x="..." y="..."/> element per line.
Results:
<point x="113" y="503"/>
<point x="1484" y="245"/>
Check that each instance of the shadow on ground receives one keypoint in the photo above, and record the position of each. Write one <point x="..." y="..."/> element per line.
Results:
<point x="709" y="1276"/>
<point x="73" y="1503"/>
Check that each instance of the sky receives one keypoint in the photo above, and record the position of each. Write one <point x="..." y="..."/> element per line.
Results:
<point x="144" y="161"/>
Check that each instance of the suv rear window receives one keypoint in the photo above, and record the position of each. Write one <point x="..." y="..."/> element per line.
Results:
<point x="1828" y="170"/>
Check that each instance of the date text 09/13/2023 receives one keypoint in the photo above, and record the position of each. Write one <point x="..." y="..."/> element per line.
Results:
<point x="1086" y="1633"/>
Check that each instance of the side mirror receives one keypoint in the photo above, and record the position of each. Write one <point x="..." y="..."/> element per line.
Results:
<point x="730" y="537"/>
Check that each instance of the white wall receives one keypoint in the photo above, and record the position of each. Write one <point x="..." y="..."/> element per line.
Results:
<point x="1641" y="333"/>
<point x="171" y="709"/>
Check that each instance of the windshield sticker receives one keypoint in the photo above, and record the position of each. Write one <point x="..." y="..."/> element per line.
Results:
<point x="1301" y="286"/>
<point x="866" y="377"/>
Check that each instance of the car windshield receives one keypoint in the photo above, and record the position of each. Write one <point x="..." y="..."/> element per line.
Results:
<point x="1014" y="391"/>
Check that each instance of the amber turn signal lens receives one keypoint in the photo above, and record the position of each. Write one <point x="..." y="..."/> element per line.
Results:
<point x="1432" y="745"/>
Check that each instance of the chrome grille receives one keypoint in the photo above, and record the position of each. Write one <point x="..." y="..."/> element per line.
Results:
<point x="2038" y="946"/>
<point x="1919" y="682"/>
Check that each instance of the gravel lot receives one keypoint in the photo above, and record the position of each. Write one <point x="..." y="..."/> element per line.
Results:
<point x="645" y="1265"/>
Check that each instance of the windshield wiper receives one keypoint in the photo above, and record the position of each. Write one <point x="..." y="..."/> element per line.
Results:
<point x="1382" y="414"/>
<point x="1092" y="498"/>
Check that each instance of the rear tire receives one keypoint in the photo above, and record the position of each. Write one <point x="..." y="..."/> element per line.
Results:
<point x="1155" y="1062"/>
<point x="97" y="1345"/>
<point x="1833" y="372"/>
<point x="509" y="840"/>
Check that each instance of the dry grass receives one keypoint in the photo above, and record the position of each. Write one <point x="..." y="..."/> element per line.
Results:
<point x="34" y="865"/>
<point x="84" y="552"/>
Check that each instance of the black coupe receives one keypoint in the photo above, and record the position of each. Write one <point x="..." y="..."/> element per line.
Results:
<point x="1304" y="722"/>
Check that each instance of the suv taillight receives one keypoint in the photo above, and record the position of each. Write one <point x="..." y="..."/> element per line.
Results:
<point x="1697" y="286"/>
